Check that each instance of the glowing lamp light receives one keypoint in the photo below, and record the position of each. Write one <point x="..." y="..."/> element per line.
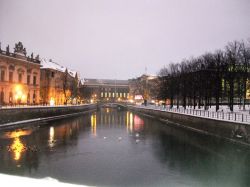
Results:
<point x="19" y="95"/>
<point x="52" y="101"/>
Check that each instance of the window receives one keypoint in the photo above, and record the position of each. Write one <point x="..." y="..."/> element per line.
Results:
<point x="10" y="76"/>
<point x="52" y="74"/>
<point x="28" y="98"/>
<point x="124" y="95"/>
<point x="2" y="97"/>
<point x="34" y="80"/>
<point x="28" y="79"/>
<point x="10" y="97"/>
<point x="102" y="94"/>
<point x="34" y="97"/>
<point x="2" y="75"/>
<point x="20" y="77"/>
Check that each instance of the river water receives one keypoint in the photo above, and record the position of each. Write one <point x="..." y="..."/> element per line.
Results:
<point x="120" y="148"/>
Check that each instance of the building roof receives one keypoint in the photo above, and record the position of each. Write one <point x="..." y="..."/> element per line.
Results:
<point x="49" y="64"/>
<point x="100" y="82"/>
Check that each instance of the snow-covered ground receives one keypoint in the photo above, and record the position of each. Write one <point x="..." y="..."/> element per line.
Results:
<point x="224" y="114"/>
<point x="226" y="109"/>
<point x="40" y="106"/>
<point x="9" y="180"/>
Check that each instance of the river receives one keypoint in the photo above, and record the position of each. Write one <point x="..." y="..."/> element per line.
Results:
<point x="114" y="147"/>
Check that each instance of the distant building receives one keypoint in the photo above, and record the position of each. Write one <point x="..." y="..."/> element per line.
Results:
<point x="105" y="90"/>
<point x="59" y="85"/>
<point x="143" y="88"/>
<point x="19" y="77"/>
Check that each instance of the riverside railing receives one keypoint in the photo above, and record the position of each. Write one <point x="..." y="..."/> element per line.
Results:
<point x="220" y="115"/>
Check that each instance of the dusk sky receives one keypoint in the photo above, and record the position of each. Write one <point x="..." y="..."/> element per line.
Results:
<point x="120" y="38"/>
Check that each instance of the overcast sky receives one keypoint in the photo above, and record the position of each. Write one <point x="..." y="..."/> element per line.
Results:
<point x="119" y="38"/>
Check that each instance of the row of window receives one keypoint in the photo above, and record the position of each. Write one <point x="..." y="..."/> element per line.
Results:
<point x="113" y="94"/>
<point x="114" y="89"/>
<point x="20" y="77"/>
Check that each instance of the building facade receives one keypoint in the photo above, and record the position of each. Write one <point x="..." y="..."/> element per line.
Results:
<point x="143" y="88"/>
<point x="105" y="90"/>
<point x="58" y="84"/>
<point x="19" y="77"/>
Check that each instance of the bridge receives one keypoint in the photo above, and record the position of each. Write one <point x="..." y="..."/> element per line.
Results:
<point x="110" y="104"/>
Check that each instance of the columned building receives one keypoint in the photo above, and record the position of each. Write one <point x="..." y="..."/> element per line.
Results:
<point x="105" y="90"/>
<point x="19" y="77"/>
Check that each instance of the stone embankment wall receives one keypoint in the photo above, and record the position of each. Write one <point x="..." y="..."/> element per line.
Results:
<point x="8" y="115"/>
<point x="234" y="132"/>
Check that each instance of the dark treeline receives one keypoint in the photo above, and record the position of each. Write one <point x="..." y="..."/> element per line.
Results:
<point x="215" y="78"/>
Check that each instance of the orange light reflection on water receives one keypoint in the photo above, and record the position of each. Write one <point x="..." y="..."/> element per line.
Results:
<point x="93" y="124"/>
<point x="17" y="148"/>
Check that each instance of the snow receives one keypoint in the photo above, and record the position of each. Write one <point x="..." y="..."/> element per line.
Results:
<point x="8" y="180"/>
<point x="82" y="81"/>
<point x="49" y="64"/>
<point x="239" y="116"/>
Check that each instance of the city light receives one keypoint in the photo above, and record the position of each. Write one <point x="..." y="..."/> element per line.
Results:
<point x="19" y="95"/>
<point x="131" y="100"/>
<point x="17" y="148"/>
<point x="93" y="124"/>
<point x="51" y="137"/>
<point x="52" y="101"/>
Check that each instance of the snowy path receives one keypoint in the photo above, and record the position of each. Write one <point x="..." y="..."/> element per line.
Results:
<point x="239" y="116"/>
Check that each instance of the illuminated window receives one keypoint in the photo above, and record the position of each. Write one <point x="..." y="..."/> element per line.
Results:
<point x="124" y="95"/>
<point x="113" y="94"/>
<point x="101" y="94"/>
<point x="117" y="94"/>
<point x="109" y="94"/>
<point x="105" y="94"/>
<point x="120" y="94"/>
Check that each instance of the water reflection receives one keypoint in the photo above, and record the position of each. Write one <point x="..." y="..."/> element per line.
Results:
<point x="15" y="134"/>
<point x="148" y="153"/>
<point x="138" y="123"/>
<point x="17" y="147"/>
<point x="93" y="124"/>
<point x="51" y="137"/>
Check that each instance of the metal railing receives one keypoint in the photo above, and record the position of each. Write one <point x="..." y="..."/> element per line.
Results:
<point x="220" y="115"/>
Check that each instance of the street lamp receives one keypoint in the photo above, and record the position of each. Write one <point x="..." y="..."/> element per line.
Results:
<point x="19" y="95"/>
